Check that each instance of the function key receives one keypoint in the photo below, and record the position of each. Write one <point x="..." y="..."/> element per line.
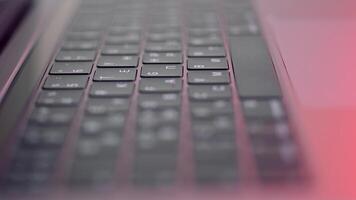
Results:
<point x="76" y="56"/>
<point x="50" y="115"/>
<point x="209" y="92"/>
<point x="59" y="98"/>
<point x="120" y="50"/>
<point x="114" y="74"/>
<point x="208" y="110"/>
<point x="80" y="45"/>
<point x="161" y="71"/>
<point x="101" y="89"/>
<point x="211" y="51"/>
<point x="71" y="68"/>
<point x="100" y="106"/>
<point x="156" y="101"/>
<point x="162" y="58"/>
<point x="168" y="46"/>
<point x="208" y="77"/>
<point x="83" y="35"/>
<point x="123" y="39"/>
<point x="162" y="85"/>
<point x="214" y="40"/>
<point x="66" y="82"/>
<point x="263" y="109"/>
<point x="207" y="63"/>
<point x="118" y="61"/>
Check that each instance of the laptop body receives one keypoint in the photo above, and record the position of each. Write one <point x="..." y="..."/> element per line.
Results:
<point x="273" y="77"/>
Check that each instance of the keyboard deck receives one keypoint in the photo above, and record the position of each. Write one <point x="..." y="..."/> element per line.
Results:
<point x="157" y="93"/>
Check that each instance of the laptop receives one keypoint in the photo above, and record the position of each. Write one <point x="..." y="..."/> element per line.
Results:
<point x="177" y="99"/>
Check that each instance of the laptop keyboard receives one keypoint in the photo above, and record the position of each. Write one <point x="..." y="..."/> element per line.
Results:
<point x="158" y="93"/>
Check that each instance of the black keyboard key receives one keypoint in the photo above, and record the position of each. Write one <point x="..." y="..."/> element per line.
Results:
<point x="216" y="174"/>
<point x="211" y="51"/>
<point x="263" y="109"/>
<point x="120" y="50"/>
<point x="101" y="106"/>
<point x="207" y="63"/>
<point x="97" y="125"/>
<point x="162" y="37"/>
<point x="91" y="173"/>
<point x="169" y="46"/>
<point x="75" y="56"/>
<point x="43" y="137"/>
<point x="99" y="89"/>
<point x="118" y="61"/>
<point x="71" y="68"/>
<point x="254" y="70"/>
<point x="162" y="85"/>
<point x="209" y="92"/>
<point x="115" y="74"/>
<point x="80" y="45"/>
<point x="66" y="82"/>
<point x="201" y="32"/>
<point x="123" y="39"/>
<point x="208" y="110"/>
<point x="59" y="98"/>
<point x="156" y="101"/>
<point x="163" y="139"/>
<point x="83" y="35"/>
<point x="276" y="157"/>
<point x="161" y="71"/>
<point x="162" y="58"/>
<point x="206" y="41"/>
<point x="50" y="115"/>
<point x="208" y="77"/>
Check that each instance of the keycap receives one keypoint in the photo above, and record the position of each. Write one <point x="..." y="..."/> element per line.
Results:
<point x="161" y="71"/>
<point x="162" y="58"/>
<point x="50" y="115"/>
<point x="155" y="101"/>
<point x="211" y="92"/>
<point x="83" y="35"/>
<point x="118" y="61"/>
<point x="215" y="152"/>
<point x="207" y="63"/>
<point x="253" y="68"/>
<point x="199" y="32"/>
<point x="263" y="109"/>
<point x="120" y="50"/>
<point x="100" y="124"/>
<point x="161" y="37"/>
<point x="211" y="109"/>
<point x="277" y="157"/>
<point x="80" y="45"/>
<point x="71" y="68"/>
<point x="91" y="173"/>
<point x="163" y="139"/>
<point x="206" y="41"/>
<point x="99" y="89"/>
<point x="75" y="56"/>
<point x="59" y="98"/>
<point x="208" y="77"/>
<point x="115" y="74"/>
<point x="44" y="137"/>
<point x="216" y="174"/>
<point x="170" y="46"/>
<point x="100" y="106"/>
<point x="66" y="82"/>
<point x="211" y="51"/>
<point x="124" y="39"/>
<point x="160" y="85"/>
